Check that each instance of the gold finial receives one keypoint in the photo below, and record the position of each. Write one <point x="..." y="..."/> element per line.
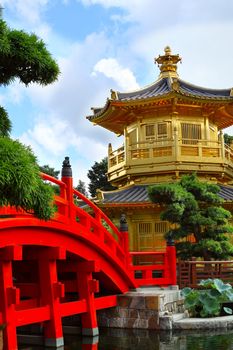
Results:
<point x="168" y="63"/>
<point x="113" y="94"/>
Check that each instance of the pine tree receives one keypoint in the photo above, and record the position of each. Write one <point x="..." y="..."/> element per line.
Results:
<point x="98" y="177"/>
<point x="81" y="187"/>
<point x="195" y="208"/>
<point x="23" y="57"/>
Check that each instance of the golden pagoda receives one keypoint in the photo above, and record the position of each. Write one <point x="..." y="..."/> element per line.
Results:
<point x="170" y="128"/>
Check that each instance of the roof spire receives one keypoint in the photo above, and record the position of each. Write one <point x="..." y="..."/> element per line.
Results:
<point x="168" y="63"/>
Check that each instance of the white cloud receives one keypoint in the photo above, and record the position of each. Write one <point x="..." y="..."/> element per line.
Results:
<point x="76" y="91"/>
<point x="156" y="13"/>
<point x="199" y="31"/>
<point x="53" y="135"/>
<point x="52" y="139"/>
<point x="111" y="3"/>
<point x="15" y="93"/>
<point x="29" y="10"/>
<point x="122" y="76"/>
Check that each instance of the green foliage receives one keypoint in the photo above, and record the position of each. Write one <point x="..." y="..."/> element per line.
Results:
<point x="49" y="171"/>
<point x="98" y="177"/>
<point x="46" y="169"/>
<point x="24" y="57"/>
<point x="195" y="208"/>
<point x="20" y="181"/>
<point x="5" y="123"/>
<point x="81" y="187"/>
<point x="208" y="301"/>
<point x="228" y="139"/>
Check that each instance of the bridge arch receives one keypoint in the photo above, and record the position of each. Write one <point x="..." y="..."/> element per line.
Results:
<point x="75" y="263"/>
<point x="78" y="246"/>
<point x="68" y="265"/>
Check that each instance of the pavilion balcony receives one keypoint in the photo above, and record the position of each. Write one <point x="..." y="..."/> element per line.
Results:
<point x="170" y="155"/>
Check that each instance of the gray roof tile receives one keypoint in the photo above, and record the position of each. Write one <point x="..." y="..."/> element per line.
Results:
<point x="164" y="86"/>
<point x="138" y="194"/>
<point x="161" y="87"/>
<point x="200" y="91"/>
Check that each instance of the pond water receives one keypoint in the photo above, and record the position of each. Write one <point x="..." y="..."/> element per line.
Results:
<point x="117" y="339"/>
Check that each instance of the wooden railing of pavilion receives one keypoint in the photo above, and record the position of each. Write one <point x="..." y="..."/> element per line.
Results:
<point x="171" y="148"/>
<point x="190" y="273"/>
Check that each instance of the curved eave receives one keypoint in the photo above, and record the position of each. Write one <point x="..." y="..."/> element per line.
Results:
<point x="178" y="93"/>
<point x="113" y="104"/>
<point x="128" y="205"/>
<point x="199" y="91"/>
<point x="115" y="112"/>
<point x="137" y="195"/>
<point x="101" y="111"/>
<point x="205" y="98"/>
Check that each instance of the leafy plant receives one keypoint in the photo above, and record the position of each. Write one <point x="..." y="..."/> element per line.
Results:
<point x="208" y="300"/>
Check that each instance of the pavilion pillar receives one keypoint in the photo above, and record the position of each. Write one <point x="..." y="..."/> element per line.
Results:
<point x="9" y="295"/>
<point x="87" y="286"/>
<point x="221" y="137"/>
<point x="51" y="291"/>
<point x="125" y="233"/>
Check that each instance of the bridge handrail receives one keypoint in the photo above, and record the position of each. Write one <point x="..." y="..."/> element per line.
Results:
<point x="53" y="179"/>
<point x="99" y="214"/>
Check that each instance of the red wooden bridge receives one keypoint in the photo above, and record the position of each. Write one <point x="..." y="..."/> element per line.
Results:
<point x="75" y="263"/>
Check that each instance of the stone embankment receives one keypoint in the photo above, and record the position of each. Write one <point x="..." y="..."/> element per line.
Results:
<point x="158" y="309"/>
<point x="145" y="308"/>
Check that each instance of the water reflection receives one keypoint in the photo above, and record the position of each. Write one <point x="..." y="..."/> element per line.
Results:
<point x="119" y="339"/>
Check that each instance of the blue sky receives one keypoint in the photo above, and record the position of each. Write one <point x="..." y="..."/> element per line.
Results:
<point x="108" y="44"/>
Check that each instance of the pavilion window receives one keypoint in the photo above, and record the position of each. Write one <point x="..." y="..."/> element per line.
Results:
<point x="150" y="131"/>
<point x="133" y="137"/>
<point x="156" y="131"/>
<point x="191" y="133"/>
<point x="162" y="130"/>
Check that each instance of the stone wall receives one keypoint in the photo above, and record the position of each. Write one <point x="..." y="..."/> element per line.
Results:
<point x="142" y="310"/>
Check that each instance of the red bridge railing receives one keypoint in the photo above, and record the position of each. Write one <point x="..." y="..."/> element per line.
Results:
<point x="161" y="270"/>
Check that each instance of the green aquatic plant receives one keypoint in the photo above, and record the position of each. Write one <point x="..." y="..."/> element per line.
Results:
<point x="208" y="300"/>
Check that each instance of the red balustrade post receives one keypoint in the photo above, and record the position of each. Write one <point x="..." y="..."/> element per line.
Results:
<point x="171" y="260"/>
<point x="87" y="286"/>
<point x="67" y="178"/>
<point x="9" y="295"/>
<point x="50" y="292"/>
<point x="125" y="235"/>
